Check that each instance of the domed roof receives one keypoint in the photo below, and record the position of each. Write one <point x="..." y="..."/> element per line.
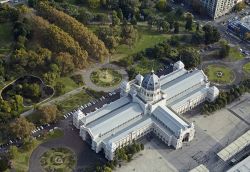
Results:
<point x="151" y="82"/>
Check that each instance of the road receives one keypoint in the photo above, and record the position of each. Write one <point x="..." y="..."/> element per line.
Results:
<point x="221" y="24"/>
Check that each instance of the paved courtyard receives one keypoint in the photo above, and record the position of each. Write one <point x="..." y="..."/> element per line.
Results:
<point x="213" y="133"/>
<point x="149" y="160"/>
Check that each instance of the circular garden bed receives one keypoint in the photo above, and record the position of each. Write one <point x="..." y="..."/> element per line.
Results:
<point x="220" y="74"/>
<point x="58" y="159"/>
<point x="106" y="77"/>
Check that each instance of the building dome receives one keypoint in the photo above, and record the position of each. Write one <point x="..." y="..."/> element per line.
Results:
<point x="139" y="78"/>
<point x="151" y="82"/>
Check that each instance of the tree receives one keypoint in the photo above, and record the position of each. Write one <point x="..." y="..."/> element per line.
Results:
<point x="110" y="36"/>
<point x="129" y="35"/>
<point x="65" y="62"/>
<point x="197" y="38"/>
<point x="60" y="88"/>
<point x="87" y="40"/>
<point x="240" y="6"/>
<point x="176" y="27"/>
<point x="247" y="36"/>
<point x="13" y="152"/>
<point x="107" y="169"/>
<point x="21" y="128"/>
<point x="189" y="21"/>
<point x="115" y="19"/>
<point x="190" y="57"/>
<point x="224" y="50"/>
<point x="120" y="14"/>
<point x="48" y="113"/>
<point x="17" y="103"/>
<point x="197" y="29"/>
<point x="165" y="27"/>
<point x="5" y="106"/>
<point x="133" y="21"/>
<point x="3" y="164"/>
<point x="212" y="34"/>
<point x="85" y="16"/>
<point x="161" y="5"/>
<point x="179" y="12"/>
<point x="198" y="7"/>
<point x="94" y="3"/>
<point x="59" y="41"/>
<point x="31" y="90"/>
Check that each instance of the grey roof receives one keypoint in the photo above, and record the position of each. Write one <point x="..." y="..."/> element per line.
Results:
<point x="170" y="119"/>
<point x="200" y="168"/>
<point x="183" y="83"/>
<point x="202" y="90"/>
<point x="114" y="119"/>
<point x="145" y="121"/>
<point x="151" y="82"/>
<point x="242" y="166"/>
<point x="107" y="109"/>
<point x="246" y="21"/>
<point x="171" y="76"/>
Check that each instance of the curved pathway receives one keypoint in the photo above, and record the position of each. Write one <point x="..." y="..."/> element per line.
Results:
<point x="71" y="139"/>
<point x="87" y="72"/>
<point x="236" y="66"/>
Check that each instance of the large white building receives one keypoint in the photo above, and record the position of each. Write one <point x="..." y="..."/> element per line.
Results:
<point x="147" y="104"/>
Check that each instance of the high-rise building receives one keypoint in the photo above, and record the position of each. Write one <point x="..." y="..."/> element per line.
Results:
<point x="217" y="8"/>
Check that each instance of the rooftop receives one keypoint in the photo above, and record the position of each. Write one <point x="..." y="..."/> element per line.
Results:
<point x="170" y="119"/>
<point x="114" y="119"/>
<point x="183" y="82"/>
<point x="243" y="166"/>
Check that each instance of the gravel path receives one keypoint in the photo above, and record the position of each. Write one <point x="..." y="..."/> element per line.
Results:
<point x="88" y="83"/>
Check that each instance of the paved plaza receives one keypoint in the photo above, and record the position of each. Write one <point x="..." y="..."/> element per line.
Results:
<point x="213" y="133"/>
<point x="149" y="160"/>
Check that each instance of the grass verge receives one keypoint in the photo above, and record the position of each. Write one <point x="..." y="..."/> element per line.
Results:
<point x="73" y="102"/>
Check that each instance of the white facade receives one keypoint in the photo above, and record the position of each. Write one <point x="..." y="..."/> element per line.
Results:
<point x="147" y="104"/>
<point x="217" y="8"/>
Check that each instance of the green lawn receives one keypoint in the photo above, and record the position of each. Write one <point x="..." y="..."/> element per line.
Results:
<point x="74" y="101"/>
<point x="235" y="54"/>
<point x="5" y="37"/>
<point x="68" y="82"/>
<point x="146" y="39"/>
<point x="246" y="68"/>
<point x="213" y="71"/>
<point x="21" y="162"/>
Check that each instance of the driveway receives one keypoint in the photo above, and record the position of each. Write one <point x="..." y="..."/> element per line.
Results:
<point x="71" y="139"/>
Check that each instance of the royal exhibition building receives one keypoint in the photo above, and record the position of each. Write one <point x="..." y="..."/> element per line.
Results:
<point x="148" y="104"/>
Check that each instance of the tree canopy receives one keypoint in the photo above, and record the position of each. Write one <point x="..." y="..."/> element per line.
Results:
<point x="87" y="40"/>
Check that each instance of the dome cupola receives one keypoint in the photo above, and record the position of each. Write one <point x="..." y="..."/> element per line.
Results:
<point x="151" y="82"/>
